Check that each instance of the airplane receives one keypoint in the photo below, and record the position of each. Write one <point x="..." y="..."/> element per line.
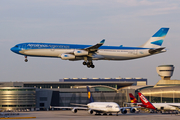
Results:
<point x="147" y="104"/>
<point x="155" y="106"/>
<point x="99" y="107"/>
<point x="88" y="53"/>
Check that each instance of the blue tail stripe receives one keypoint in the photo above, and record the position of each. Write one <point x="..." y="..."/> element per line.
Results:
<point x="160" y="33"/>
<point x="158" y="42"/>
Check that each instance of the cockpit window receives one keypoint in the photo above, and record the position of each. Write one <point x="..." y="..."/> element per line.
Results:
<point x="117" y="106"/>
<point x="16" y="46"/>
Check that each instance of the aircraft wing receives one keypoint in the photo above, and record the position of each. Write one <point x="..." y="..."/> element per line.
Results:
<point x="175" y="106"/>
<point x="85" y="108"/>
<point x="78" y="104"/>
<point x="136" y="104"/>
<point x="78" y="108"/>
<point x="95" y="47"/>
<point x="122" y="108"/>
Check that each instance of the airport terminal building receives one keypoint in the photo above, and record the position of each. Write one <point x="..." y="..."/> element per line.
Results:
<point x="42" y="95"/>
<point x="165" y="90"/>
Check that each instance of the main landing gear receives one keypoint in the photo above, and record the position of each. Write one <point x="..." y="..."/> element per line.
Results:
<point x="26" y="60"/>
<point x="89" y="64"/>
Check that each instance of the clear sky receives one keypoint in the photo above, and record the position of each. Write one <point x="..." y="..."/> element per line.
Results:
<point x="120" y="22"/>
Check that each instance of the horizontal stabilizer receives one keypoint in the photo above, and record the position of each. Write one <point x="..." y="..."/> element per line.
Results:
<point x="153" y="51"/>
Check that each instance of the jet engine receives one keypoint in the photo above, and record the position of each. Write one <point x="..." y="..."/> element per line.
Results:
<point x="123" y="111"/>
<point x="67" y="56"/>
<point x="132" y="110"/>
<point x="74" y="110"/>
<point x="80" y="52"/>
<point x="90" y="111"/>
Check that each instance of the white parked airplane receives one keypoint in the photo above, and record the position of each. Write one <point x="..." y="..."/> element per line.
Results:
<point x="156" y="106"/>
<point x="99" y="107"/>
<point x="92" y="52"/>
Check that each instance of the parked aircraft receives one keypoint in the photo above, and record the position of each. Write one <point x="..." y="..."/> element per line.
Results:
<point x="155" y="106"/>
<point x="88" y="53"/>
<point x="99" y="107"/>
<point x="145" y="104"/>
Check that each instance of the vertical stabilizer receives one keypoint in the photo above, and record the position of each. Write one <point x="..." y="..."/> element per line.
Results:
<point x="145" y="101"/>
<point x="132" y="98"/>
<point x="89" y="95"/>
<point x="157" y="39"/>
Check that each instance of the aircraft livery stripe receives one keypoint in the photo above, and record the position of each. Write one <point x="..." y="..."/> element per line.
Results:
<point x="69" y="46"/>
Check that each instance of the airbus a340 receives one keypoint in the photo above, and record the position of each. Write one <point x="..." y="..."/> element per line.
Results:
<point x="88" y="53"/>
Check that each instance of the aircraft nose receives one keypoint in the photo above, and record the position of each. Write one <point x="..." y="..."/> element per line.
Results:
<point x="15" y="49"/>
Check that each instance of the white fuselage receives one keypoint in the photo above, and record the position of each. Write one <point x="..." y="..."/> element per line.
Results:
<point x="107" y="107"/>
<point x="166" y="106"/>
<point x="100" y="55"/>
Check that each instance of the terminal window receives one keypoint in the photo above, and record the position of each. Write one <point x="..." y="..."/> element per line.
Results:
<point x="41" y="104"/>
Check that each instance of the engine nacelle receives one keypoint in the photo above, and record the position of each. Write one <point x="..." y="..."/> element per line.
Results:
<point x="90" y="111"/>
<point x="132" y="110"/>
<point x="123" y="111"/>
<point x="67" y="56"/>
<point x="74" y="110"/>
<point x="80" y="52"/>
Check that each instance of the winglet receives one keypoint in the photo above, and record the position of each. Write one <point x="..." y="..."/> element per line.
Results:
<point x="145" y="101"/>
<point x="102" y="41"/>
<point x="89" y="95"/>
<point x="132" y="98"/>
<point x="95" y="47"/>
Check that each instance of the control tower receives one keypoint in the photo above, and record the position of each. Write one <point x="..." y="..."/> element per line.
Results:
<point x="165" y="71"/>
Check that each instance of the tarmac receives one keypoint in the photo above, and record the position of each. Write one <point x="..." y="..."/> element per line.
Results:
<point x="84" y="115"/>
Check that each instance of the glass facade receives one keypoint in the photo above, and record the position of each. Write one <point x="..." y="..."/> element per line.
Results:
<point x="17" y="98"/>
<point x="81" y="98"/>
<point x="162" y="94"/>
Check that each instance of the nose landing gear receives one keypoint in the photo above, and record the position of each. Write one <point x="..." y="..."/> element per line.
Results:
<point x="26" y="60"/>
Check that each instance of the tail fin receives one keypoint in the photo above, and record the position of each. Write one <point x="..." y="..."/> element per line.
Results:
<point x="132" y="98"/>
<point x="145" y="101"/>
<point x="89" y="95"/>
<point x="157" y="39"/>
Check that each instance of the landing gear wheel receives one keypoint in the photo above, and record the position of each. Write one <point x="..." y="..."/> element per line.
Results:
<point x="105" y="114"/>
<point x="84" y="63"/>
<point x="26" y="60"/>
<point x="97" y="114"/>
<point x="92" y="66"/>
<point x="110" y="113"/>
<point x="88" y="65"/>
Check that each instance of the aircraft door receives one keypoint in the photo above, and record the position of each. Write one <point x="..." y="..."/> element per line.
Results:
<point x="135" y="52"/>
